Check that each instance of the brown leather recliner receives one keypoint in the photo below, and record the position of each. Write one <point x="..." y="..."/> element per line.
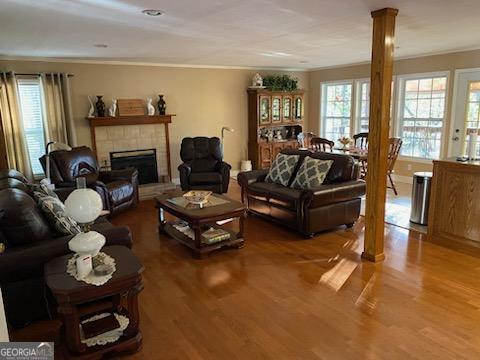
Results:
<point x="203" y="167"/>
<point x="336" y="202"/>
<point x="117" y="188"/>
<point x="30" y="242"/>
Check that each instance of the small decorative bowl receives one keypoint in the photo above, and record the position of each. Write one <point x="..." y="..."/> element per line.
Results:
<point x="197" y="197"/>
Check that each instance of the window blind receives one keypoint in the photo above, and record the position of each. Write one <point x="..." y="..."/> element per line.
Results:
<point x="31" y="105"/>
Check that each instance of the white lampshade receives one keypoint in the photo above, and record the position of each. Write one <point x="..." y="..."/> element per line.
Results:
<point x="84" y="205"/>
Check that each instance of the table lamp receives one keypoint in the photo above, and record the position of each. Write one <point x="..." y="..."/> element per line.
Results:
<point x="84" y="206"/>
<point x="47" y="181"/>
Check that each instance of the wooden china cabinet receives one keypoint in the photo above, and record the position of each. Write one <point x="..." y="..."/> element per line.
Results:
<point x="273" y="113"/>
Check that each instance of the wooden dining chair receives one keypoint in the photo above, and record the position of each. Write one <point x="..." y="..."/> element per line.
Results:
<point x="360" y="140"/>
<point x="393" y="151"/>
<point x="321" y="144"/>
<point x="308" y="139"/>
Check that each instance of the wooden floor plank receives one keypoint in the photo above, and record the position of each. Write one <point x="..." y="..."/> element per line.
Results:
<point x="284" y="297"/>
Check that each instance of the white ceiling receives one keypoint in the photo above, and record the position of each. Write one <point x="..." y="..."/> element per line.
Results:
<point x="241" y="33"/>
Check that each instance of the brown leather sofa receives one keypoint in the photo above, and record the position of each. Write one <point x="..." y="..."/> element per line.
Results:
<point x="29" y="243"/>
<point x="117" y="188"/>
<point x="336" y="202"/>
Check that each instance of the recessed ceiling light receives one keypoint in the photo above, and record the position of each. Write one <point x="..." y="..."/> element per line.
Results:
<point x="101" y="45"/>
<point x="152" y="12"/>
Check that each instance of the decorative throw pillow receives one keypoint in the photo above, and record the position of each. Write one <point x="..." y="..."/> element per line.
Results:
<point x="282" y="169"/>
<point x="42" y="188"/>
<point x="54" y="211"/>
<point x="312" y="173"/>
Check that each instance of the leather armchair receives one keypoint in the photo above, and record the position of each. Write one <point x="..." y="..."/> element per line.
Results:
<point x="30" y="242"/>
<point x="117" y="188"/>
<point x="203" y="167"/>
<point x="336" y="202"/>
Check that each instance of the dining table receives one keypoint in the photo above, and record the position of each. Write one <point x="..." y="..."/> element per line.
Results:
<point x="356" y="153"/>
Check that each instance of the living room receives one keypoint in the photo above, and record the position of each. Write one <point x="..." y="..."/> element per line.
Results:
<point x="294" y="270"/>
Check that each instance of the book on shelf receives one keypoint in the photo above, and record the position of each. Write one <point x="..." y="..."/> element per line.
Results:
<point x="210" y="236"/>
<point x="213" y="235"/>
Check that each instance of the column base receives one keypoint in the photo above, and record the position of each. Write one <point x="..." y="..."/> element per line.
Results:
<point x="373" y="258"/>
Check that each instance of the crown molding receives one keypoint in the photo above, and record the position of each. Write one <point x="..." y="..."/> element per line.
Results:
<point x="408" y="57"/>
<point x="146" y="63"/>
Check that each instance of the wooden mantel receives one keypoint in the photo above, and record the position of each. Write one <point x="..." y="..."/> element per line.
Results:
<point x="133" y="120"/>
<point x="130" y="120"/>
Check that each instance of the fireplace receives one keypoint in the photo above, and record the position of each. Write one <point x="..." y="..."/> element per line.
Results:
<point x="145" y="161"/>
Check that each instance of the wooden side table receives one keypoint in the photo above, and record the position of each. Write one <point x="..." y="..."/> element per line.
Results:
<point x="78" y="301"/>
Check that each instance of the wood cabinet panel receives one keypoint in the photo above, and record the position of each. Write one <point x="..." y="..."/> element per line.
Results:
<point x="265" y="154"/>
<point x="454" y="213"/>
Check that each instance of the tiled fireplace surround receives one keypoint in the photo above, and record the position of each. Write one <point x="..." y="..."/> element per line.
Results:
<point x="135" y="137"/>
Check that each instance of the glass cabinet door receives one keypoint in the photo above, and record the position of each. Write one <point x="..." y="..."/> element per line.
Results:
<point x="287" y="109"/>
<point x="264" y="109"/>
<point x="276" y="109"/>
<point x="298" y="107"/>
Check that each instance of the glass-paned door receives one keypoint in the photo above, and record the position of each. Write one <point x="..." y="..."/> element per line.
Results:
<point x="264" y="109"/>
<point x="472" y="118"/>
<point x="298" y="104"/>
<point x="276" y="109"/>
<point x="466" y="112"/>
<point x="287" y="109"/>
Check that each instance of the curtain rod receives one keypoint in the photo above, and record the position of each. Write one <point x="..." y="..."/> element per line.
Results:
<point x="37" y="73"/>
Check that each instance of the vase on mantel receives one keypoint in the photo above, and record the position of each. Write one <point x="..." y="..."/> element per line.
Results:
<point x="162" y="106"/>
<point x="100" y="106"/>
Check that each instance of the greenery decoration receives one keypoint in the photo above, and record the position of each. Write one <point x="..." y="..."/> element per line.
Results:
<point x="280" y="82"/>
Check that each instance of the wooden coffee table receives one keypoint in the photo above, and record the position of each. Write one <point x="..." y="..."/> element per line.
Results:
<point x="198" y="218"/>
<point x="78" y="300"/>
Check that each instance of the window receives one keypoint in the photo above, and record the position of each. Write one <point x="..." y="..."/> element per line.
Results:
<point x="31" y="106"/>
<point x="363" y="105"/>
<point x="336" y="110"/>
<point x="421" y="115"/>
<point x="472" y="120"/>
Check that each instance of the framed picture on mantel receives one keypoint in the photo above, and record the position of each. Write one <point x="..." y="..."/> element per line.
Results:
<point x="131" y="107"/>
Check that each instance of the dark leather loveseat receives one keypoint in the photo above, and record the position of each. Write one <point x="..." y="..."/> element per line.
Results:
<point x="29" y="243"/>
<point x="203" y="167"/>
<point x="117" y="188"/>
<point x="336" y="202"/>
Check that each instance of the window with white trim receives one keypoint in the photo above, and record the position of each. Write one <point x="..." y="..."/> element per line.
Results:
<point x="362" y="106"/>
<point x="336" y="110"/>
<point x="421" y="115"/>
<point x="31" y="109"/>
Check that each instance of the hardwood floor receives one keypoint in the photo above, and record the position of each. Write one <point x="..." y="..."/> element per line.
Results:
<point x="283" y="297"/>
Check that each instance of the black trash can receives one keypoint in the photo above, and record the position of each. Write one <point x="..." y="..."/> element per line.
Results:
<point x="420" y="197"/>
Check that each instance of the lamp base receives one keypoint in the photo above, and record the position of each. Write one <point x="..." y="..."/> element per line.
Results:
<point x="89" y="242"/>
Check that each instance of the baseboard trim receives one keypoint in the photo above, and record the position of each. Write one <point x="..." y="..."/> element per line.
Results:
<point x="403" y="179"/>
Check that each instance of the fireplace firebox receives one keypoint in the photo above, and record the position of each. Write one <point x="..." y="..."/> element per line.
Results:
<point x="145" y="161"/>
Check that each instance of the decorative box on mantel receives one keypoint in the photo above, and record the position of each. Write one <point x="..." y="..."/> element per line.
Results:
<point x="111" y="135"/>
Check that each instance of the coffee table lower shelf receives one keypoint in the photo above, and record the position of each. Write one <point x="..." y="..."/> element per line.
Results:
<point x="235" y="241"/>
